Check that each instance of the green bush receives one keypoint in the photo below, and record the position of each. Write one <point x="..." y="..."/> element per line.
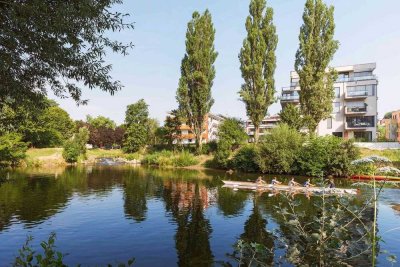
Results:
<point x="327" y="155"/>
<point x="71" y="151"/>
<point x="209" y="147"/>
<point x="279" y="150"/>
<point x="12" y="149"/>
<point x="184" y="159"/>
<point x="222" y="155"/>
<point x="75" y="148"/>
<point x="245" y="159"/>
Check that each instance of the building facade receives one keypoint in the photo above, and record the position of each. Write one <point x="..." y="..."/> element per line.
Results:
<point x="392" y="127"/>
<point x="268" y="123"/>
<point x="355" y="104"/>
<point x="186" y="136"/>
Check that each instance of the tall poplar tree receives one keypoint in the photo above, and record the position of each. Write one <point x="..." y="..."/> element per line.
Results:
<point x="258" y="63"/>
<point x="313" y="56"/>
<point x="197" y="73"/>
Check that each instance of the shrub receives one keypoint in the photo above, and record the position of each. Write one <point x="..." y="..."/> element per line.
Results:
<point x="76" y="146"/>
<point x="209" y="147"/>
<point x="327" y="155"/>
<point x="184" y="159"/>
<point x="245" y="159"/>
<point x="12" y="149"/>
<point x="279" y="150"/>
<point x="221" y="157"/>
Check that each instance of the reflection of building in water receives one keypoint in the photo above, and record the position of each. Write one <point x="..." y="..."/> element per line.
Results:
<point x="184" y="192"/>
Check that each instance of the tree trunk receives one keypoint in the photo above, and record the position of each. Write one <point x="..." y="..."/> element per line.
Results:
<point x="199" y="142"/>
<point x="256" y="133"/>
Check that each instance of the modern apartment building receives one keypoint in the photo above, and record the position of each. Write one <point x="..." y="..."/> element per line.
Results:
<point x="185" y="135"/>
<point x="354" y="106"/>
<point x="266" y="125"/>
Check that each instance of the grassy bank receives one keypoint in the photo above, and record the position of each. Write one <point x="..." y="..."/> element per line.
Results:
<point x="392" y="154"/>
<point x="52" y="157"/>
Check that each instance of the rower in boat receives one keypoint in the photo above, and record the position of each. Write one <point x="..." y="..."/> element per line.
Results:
<point x="260" y="180"/>
<point x="308" y="183"/>
<point x="331" y="183"/>
<point x="292" y="182"/>
<point x="275" y="182"/>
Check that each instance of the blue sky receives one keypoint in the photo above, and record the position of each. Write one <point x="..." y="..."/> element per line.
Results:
<point x="368" y="31"/>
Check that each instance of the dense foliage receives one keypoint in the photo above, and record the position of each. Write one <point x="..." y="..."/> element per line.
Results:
<point x="245" y="159"/>
<point x="291" y="116"/>
<point x="76" y="146"/>
<point x="12" y="149"/>
<point x="54" y="45"/>
<point x="286" y="151"/>
<point x="315" y="52"/>
<point x="327" y="155"/>
<point x="197" y="73"/>
<point x="258" y="62"/>
<point x="44" y="125"/>
<point x="279" y="150"/>
<point x="231" y="135"/>
<point x="136" y="120"/>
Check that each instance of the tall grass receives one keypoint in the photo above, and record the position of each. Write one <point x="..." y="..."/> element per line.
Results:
<point x="166" y="158"/>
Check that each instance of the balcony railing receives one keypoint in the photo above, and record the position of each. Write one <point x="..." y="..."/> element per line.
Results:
<point x="358" y="125"/>
<point x="356" y="94"/>
<point x="355" y="110"/>
<point x="290" y="98"/>
<point x="360" y="78"/>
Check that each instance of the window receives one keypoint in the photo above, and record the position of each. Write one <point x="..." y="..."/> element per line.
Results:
<point x="337" y="134"/>
<point x="362" y="73"/>
<point x="337" y="92"/>
<point x="336" y="107"/>
<point x="329" y="121"/>
<point x="294" y="82"/>
<point x="343" y="77"/>
<point x="363" y="136"/>
<point x="361" y="90"/>
<point x="360" y="121"/>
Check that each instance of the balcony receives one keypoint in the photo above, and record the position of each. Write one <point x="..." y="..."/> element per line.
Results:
<point x="356" y="94"/>
<point x="355" y="110"/>
<point x="355" y="79"/>
<point x="290" y="98"/>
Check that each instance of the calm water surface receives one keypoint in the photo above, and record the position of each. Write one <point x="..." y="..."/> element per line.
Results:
<point x="161" y="217"/>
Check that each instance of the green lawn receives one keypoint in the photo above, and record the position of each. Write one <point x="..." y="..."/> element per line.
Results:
<point x="34" y="153"/>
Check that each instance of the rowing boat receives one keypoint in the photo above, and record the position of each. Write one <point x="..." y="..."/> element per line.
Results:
<point x="377" y="178"/>
<point x="269" y="187"/>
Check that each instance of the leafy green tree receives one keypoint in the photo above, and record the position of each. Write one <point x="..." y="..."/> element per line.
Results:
<point x="135" y="138"/>
<point x="316" y="50"/>
<point x="44" y="125"/>
<point x="231" y="134"/>
<point x="231" y="130"/>
<point x="279" y="150"/>
<point x="245" y="159"/>
<point x="291" y="115"/>
<point x="258" y="63"/>
<point x="171" y="125"/>
<point x="76" y="146"/>
<point x="197" y="73"/>
<point x="388" y="115"/>
<point x="136" y="120"/>
<point x="12" y="149"/>
<point x="152" y="126"/>
<point x="100" y="121"/>
<point x="53" y="45"/>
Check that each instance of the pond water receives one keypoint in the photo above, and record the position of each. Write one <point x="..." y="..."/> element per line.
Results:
<point x="109" y="214"/>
